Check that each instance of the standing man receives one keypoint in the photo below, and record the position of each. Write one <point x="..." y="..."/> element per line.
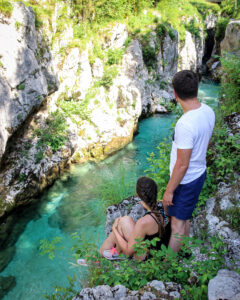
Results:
<point x="188" y="156"/>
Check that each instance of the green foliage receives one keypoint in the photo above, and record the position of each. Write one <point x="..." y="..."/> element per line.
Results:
<point x="49" y="247"/>
<point x="229" y="8"/>
<point x="22" y="177"/>
<point x="54" y="134"/>
<point x="232" y="216"/>
<point x="18" y="25"/>
<point x="149" y="56"/>
<point x="230" y="88"/>
<point x="163" y="265"/>
<point x="221" y="28"/>
<point x="159" y="166"/>
<point x="6" y="8"/>
<point x="223" y="155"/>
<point x="114" y="56"/>
<point x="21" y="87"/>
<point x="163" y="28"/>
<point x="176" y="12"/>
<point x="66" y="293"/>
<point x="193" y="28"/>
<point x="116" y="187"/>
<point x="73" y="108"/>
<point x="109" y="74"/>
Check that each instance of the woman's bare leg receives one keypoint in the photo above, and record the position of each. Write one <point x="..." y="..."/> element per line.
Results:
<point x="125" y="228"/>
<point x="108" y="243"/>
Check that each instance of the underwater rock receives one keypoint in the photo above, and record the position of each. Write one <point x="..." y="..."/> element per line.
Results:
<point x="6" y="256"/>
<point x="6" y="284"/>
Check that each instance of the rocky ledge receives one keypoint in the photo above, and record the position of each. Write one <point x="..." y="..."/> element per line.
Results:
<point x="226" y="285"/>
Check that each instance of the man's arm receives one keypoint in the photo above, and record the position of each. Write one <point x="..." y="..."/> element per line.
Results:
<point x="179" y="170"/>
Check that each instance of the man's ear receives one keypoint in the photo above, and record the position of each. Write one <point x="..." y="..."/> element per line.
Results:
<point x="175" y="94"/>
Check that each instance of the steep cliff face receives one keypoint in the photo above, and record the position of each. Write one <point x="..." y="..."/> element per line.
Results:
<point x="96" y="99"/>
<point x="26" y="74"/>
<point x="231" y="42"/>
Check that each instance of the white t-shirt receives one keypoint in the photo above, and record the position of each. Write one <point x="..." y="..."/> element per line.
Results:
<point x="193" y="131"/>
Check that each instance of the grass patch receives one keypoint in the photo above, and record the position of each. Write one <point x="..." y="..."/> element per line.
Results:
<point x="6" y="8"/>
<point x="116" y="187"/>
<point x="232" y="216"/>
<point x="54" y="134"/>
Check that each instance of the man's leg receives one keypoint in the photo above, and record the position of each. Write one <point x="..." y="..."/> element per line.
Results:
<point x="187" y="228"/>
<point x="179" y="228"/>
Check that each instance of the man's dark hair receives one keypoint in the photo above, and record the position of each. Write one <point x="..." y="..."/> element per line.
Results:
<point x="185" y="84"/>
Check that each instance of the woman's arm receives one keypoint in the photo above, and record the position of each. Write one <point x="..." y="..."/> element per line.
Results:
<point x="127" y="246"/>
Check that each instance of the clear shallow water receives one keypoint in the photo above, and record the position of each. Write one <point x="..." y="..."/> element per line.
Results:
<point x="72" y="205"/>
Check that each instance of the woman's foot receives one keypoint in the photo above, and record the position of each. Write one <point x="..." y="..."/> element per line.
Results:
<point x="112" y="254"/>
<point x="84" y="263"/>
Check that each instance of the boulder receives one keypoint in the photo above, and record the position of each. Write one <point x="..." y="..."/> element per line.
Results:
<point x="226" y="285"/>
<point x="231" y="41"/>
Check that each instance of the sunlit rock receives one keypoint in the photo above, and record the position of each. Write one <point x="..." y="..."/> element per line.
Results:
<point x="231" y="42"/>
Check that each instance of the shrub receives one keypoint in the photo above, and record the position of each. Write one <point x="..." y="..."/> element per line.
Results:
<point x="221" y="28"/>
<point x="73" y="108"/>
<point x="149" y="56"/>
<point x="6" y="8"/>
<point x="107" y="80"/>
<point x="164" y="265"/>
<point x="114" y="56"/>
<point x="116" y="187"/>
<point x="54" y="134"/>
<point x="230" y="88"/>
<point x="21" y="87"/>
<point x="193" y="28"/>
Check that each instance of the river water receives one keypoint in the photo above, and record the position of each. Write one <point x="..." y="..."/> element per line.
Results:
<point x="73" y="204"/>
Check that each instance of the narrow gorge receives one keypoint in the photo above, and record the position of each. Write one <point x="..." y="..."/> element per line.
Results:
<point x="74" y="91"/>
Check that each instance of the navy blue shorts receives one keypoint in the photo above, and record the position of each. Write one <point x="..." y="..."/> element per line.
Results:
<point x="185" y="198"/>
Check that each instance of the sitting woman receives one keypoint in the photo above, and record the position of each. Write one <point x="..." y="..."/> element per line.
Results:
<point x="125" y="231"/>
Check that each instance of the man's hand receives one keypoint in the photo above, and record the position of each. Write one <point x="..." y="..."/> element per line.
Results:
<point x="167" y="198"/>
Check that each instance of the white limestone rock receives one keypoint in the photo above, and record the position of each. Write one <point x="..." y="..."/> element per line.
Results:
<point x="191" y="54"/>
<point x="97" y="68"/>
<point x="226" y="285"/>
<point x="231" y="40"/>
<point x="24" y="81"/>
<point x="167" y="58"/>
<point x="118" y="35"/>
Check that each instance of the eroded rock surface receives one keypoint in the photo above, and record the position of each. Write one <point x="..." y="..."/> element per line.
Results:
<point x="26" y="78"/>
<point x="153" y="290"/>
<point x="226" y="285"/>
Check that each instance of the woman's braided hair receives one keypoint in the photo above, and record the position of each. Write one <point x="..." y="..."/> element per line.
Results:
<point x="147" y="191"/>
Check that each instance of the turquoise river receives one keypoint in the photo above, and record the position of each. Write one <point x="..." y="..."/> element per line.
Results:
<point x="72" y="205"/>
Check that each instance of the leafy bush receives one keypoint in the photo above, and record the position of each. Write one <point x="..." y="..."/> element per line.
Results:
<point x="6" y="8"/>
<point x="229" y="9"/>
<point x="163" y="265"/>
<point x="116" y="187"/>
<point x="54" y="134"/>
<point x="107" y="80"/>
<point x="73" y="108"/>
<point x="193" y="28"/>
<point x="149" y="56"/>
<point x="114" y="56"/>
<point x="21" y="87"/>
<point x="175" y="12"/>
<point x="232" y="215"/>
<point x="230" y="88"/>
<point x="221" y="28"/>
<point x="159" y="166"/>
